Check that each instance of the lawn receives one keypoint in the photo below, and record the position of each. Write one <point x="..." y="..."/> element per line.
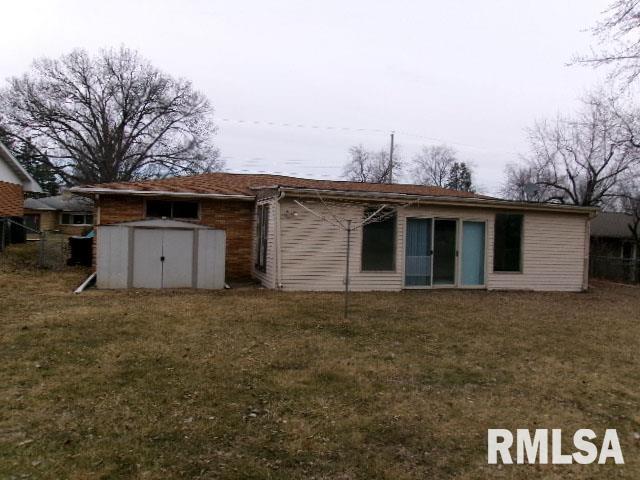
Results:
<point x="251" y="383"/>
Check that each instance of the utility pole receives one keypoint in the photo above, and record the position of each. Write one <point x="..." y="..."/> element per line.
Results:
<point x="391" y="160"/>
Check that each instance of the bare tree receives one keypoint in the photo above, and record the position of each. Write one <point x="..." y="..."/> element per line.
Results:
<point x="377" y="213"/>
<point x="112" y="117"/>
<point x="432" y="166"/>
<point x="368" y="166"/>
<point x="621" y="30"/>
<point x="579" y="161"/>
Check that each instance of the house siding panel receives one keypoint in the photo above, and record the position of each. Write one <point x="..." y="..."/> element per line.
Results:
<point x="313" y="251"/>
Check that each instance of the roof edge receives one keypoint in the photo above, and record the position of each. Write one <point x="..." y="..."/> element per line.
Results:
<point x="30" y="183"/>
<point x="445" y="199"/>
<point x="159" y="193"/>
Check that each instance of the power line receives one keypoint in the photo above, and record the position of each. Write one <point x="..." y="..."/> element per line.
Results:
<point x="361" y="130"/>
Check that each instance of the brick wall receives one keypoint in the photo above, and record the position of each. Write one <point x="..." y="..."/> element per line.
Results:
<point x="11" y="200"/>
<point x="235" y="217"/>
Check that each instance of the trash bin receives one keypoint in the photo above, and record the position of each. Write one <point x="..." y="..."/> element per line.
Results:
<point x="81" y="251"/>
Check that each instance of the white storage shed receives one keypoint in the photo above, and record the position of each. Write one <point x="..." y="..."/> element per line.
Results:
<point x="160" y="254"/>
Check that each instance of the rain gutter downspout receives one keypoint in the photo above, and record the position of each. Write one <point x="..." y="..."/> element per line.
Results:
<point x="280" y="196"/>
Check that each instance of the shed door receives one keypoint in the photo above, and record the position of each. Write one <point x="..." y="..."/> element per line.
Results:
<point x="177" y="250"/>
<point x="147" y="255"/>
<point x="162" y="258"/>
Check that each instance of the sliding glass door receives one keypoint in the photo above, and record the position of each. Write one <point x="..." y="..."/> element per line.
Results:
<point x="431" y="252"/>
<point x="444" y="252"/>
<point x="473" y="234"/>
<point x="418" y="253"/>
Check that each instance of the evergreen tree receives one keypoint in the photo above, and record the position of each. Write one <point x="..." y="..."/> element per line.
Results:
<point x="460" y="177"/>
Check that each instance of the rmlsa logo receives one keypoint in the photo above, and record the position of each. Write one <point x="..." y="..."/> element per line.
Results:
<point x="536" y="449"/>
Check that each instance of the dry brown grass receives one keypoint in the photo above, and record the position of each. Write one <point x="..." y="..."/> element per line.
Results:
<point x="261" y="384"/>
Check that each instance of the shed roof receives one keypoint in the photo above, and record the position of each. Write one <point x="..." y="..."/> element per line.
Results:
<point x="611" y="224"/>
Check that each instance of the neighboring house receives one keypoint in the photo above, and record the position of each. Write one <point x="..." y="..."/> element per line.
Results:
<point x="611" y="236"/>
<point x="14" y="181"/>
<point x="66" y="213"/>
<point x="431" y="237"/>
<point x="614" y="251"/>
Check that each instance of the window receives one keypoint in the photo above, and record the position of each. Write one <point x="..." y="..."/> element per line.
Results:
<point x="76" y="219"/>
<point x="172" y="209"/>
<point x="32" y="221"/>
<point x="379" y="242"/>
<point x="507" y="245"/>
<point x="261" y="237"/>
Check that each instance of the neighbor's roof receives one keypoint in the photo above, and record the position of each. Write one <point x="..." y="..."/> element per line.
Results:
<point x="245" y="187"/>
<point x="29" y="184"/>
<point x="611" y="224"/>
<point x="65" y="203"/>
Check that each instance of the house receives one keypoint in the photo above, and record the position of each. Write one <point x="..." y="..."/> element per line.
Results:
<point x="614" y="251"/>
<point x="14" y="181"/>
<point x="611" y="236"/>
<point x="279" y="231"/>
<point x="66" y="213"/>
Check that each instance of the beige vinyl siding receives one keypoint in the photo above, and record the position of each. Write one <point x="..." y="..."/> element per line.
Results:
<point x="552" y="254"/>
<point x="268" y="277"/>
<point x="313" y="251"/>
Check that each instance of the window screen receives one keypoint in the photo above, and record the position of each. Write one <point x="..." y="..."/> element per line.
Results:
<point x="158" y="209"/>
<point x="172" y="209"/>
<point x="378" y="242"/>
<point x="185" y="209"/>
<point x="507" y="242"/>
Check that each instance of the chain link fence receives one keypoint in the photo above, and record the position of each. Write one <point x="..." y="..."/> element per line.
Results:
<point x="624" y="270"/>
<point x="24" y="248"/>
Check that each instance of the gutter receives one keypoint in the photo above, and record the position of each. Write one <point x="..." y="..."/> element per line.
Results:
<point x="445" y="200"/>
<point x="159" y="193"/>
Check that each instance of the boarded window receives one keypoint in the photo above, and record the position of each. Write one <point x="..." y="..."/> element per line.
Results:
<point x="379" y="242"/>
<point x="261" y="237"/>
<point x="507" y="247"/>
<point x="172" y="209"/>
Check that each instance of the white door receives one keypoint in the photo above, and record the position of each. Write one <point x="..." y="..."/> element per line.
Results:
<point x="177" y="250"/>
<point x="147" y="258"/>
<point x="162" y="258"/>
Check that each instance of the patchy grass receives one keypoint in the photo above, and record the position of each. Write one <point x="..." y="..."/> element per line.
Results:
<point x="261" y="384"/>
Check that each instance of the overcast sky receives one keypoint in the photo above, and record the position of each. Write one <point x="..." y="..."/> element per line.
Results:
<point x="295" y="83"/>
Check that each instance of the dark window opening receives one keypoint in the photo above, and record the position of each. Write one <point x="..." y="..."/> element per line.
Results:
<point x="261" y="237"/>
<point x="379" y="241"/>
<point x="172" y="209"/>
<point x="76" y="219"/>
<point x="507" y="246"/>
<point x="32" y="221"/>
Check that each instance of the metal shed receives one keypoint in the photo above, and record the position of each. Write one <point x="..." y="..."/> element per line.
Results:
<point x="160" y="254"/>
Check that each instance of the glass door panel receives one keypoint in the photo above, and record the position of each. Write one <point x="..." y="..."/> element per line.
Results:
<point x="444" y="252"/>
<point x="473" y="253"/>
<point x="418" y="252"/>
